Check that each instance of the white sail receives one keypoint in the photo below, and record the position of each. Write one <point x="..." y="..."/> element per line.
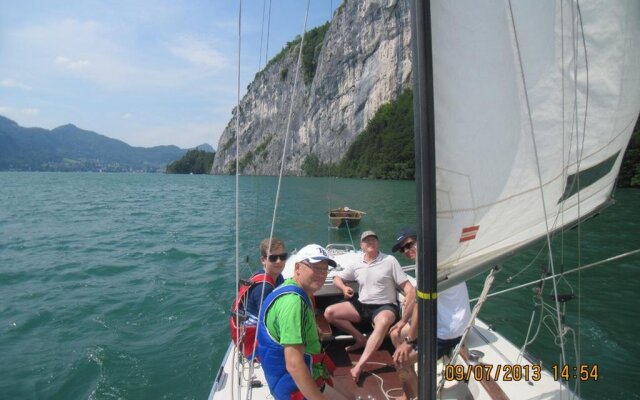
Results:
<point x="527" y="95"/>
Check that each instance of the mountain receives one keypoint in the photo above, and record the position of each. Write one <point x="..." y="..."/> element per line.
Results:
<point x="351" y="67"/>
<point x="69" y="148"/>
<point x="205" y="147"/>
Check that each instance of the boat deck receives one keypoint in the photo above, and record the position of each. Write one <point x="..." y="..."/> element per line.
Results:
<point x="379" y="379"/>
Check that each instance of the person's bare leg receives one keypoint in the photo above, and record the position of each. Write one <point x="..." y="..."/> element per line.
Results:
<point x="406" y="372"/>
<point x="408" y="376"/>
<point x="382" y="323"/>
<point x="343" y="315"/>
<point x="409" y="380"/>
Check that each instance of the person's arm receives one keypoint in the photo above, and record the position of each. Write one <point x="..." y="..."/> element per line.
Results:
<point x="294" y="358"/>
<point x="413" y="328"/>
<point x="409" y="302"/>
<point x="404" y="349"/>
<point x="253" y="302"/>
<point x="344" y="288"/>
<point x="409" y="293"/>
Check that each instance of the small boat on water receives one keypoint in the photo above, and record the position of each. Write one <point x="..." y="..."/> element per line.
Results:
<point x="345" y="217"/>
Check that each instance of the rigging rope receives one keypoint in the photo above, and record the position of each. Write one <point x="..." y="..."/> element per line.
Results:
<point x="237" y="178"/>
<point x="266" y="52"/>
<point x="264" y="5"/>
<point x="474" y="313"/>
<point x="282" y="161"/>
<point x="349" y="231"/>
<point x="577" y="34"/>
<point x="540" y="183"/>
<point x="571" y="271"/>
<point x="579" y="159"/>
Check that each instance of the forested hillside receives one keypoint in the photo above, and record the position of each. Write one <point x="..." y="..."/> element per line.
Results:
<point x="194" y="162"/>
<point x="69" y="148"/>
<point x="385" y="149"/>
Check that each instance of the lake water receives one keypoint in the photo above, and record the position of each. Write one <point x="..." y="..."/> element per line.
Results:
<point x="118" y="286"/>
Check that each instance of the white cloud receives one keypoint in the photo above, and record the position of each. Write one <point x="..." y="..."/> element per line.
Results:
<point x="119" y="59"/>
<point x="71" y="64"/>
<point x="149" y="78"/>
<point x="31" y="111"/>
<point x="10" y="83"/>
<point x="23" y="115"/>
<point x="86" y="49"/>
<point x="197" y="52"/>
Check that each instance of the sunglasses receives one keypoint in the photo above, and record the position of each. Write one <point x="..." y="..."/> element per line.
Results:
<point x="274" y="257"/>
<point x="407" y="246"/>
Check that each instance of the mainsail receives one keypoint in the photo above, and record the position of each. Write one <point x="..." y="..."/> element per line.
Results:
<point x="535" y="103"/>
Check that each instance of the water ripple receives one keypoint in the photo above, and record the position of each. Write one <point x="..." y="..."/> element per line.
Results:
<point x="118" y="286"/>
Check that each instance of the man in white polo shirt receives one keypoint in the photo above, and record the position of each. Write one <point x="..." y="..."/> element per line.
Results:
<point x="378" y="276"/>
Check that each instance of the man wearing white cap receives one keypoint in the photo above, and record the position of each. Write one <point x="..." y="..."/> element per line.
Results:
<point x="378" y="275"/>
<point x="288" y="345"/>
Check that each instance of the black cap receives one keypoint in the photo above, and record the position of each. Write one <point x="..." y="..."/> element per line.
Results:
<point x="401" y="236"/>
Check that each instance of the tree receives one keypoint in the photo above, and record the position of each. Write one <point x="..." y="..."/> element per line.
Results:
<point x="630" y="169"/>
<point x="194" y="162"/>
<point x="384" y="150"/>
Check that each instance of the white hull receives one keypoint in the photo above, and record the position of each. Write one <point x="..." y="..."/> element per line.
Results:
<point x="230" y="384"/>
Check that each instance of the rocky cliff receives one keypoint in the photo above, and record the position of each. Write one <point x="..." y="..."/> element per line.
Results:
<point x="364" y="62"/>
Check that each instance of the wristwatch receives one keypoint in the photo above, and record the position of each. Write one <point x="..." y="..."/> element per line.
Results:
<point x="412" y="342"/>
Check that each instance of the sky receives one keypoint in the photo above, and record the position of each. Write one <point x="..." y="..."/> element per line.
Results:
<point x="147" y="72"/>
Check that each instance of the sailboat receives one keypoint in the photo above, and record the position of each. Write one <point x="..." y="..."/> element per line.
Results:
<point x="523" y="111"/>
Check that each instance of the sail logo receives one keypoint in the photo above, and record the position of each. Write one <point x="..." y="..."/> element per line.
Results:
<point x="469" y="233"/>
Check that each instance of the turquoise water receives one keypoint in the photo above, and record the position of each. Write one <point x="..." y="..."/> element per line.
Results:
<point x="118" y="285"/>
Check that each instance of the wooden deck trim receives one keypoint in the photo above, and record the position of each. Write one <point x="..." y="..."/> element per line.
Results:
<point x="490" y="385"/>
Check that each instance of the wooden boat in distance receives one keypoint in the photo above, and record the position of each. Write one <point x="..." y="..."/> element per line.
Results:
<point x="345" y="217"/>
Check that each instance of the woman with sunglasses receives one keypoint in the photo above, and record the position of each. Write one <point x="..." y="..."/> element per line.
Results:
<point x="273" y="260"/>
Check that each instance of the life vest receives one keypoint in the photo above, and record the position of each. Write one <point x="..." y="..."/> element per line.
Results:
<point x="281" y="384"/>
<point x="246" y="332"/>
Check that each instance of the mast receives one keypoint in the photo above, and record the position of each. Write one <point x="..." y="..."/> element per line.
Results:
<point x="424" y="129"/>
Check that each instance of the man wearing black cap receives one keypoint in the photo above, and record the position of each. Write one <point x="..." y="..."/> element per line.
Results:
<point x="378" y="276"/>
<point x="453" y="316"/>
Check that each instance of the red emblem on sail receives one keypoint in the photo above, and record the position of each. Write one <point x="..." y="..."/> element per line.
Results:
<point x="469" y="233"/>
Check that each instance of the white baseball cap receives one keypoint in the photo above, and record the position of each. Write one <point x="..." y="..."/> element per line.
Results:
<point x="314" y="253"/>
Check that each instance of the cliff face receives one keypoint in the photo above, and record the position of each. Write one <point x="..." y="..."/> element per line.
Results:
<point x="364" y="62"/>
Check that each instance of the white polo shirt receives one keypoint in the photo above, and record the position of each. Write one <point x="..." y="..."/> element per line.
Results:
<point x="377" y="280"/>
